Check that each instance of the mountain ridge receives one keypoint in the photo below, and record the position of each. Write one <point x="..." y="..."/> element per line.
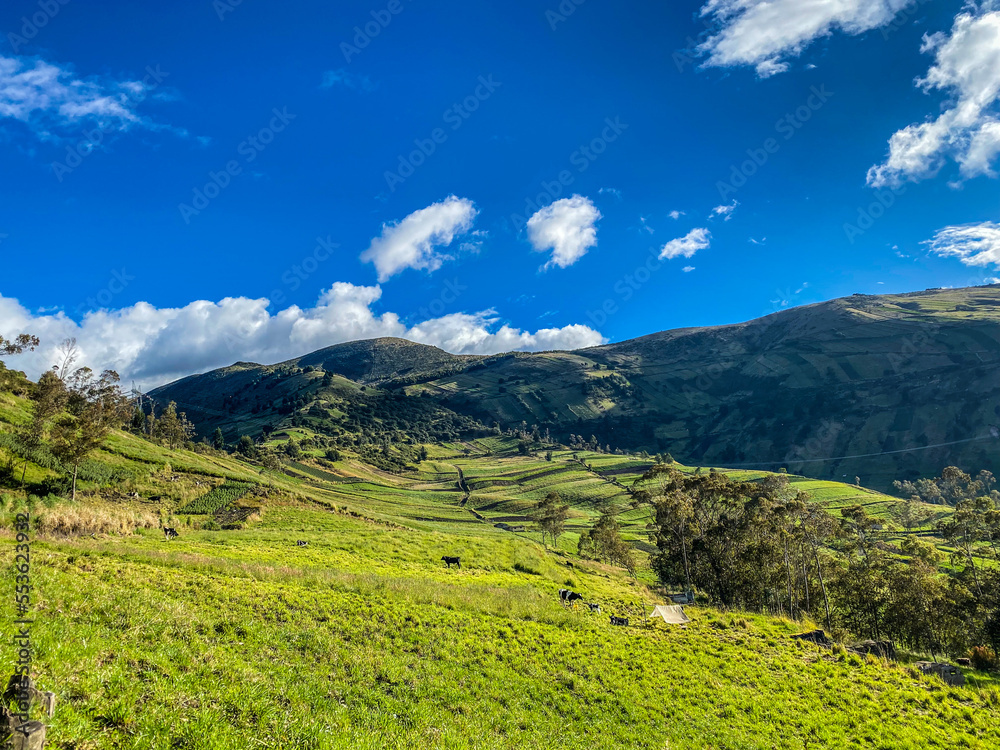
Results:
<point x="882" y="387"/>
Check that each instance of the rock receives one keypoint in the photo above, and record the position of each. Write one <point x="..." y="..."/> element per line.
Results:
<point x="815" y="636"/>
<point x="29" y="736"/>
<point x="951" y="674"/>
<point x="881" y="649"/>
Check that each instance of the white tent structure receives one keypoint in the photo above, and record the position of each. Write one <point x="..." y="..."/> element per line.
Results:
<point x="672" y="615"/>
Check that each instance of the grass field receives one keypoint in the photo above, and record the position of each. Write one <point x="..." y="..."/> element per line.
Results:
<point x="364" y="639"/>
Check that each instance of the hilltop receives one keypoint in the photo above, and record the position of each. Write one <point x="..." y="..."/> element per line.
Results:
<point x="878" y="387"/>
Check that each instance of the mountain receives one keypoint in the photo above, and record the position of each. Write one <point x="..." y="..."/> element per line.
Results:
<point x="878" y="387"/>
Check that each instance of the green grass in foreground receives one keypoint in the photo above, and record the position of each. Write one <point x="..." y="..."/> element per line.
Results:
<point x="364" y="640"/>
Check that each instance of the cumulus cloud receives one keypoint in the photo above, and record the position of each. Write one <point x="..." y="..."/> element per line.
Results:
<point x="675" y="215"/>
<point x="765" y="34"/>
<point x="567" y="228"/>
<point x="687" y="246"/>
<point x="153" y="346"/>
<point x="51" y="100"/>
<point x="972" y="244"/>
<point x="967" y="67"/>
<point x="416" y="241"/>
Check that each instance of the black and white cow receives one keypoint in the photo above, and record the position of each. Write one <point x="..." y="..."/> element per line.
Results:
<point x="170" y="533"/>
<point x="449" y="561"/>
<point x="300" y="543"/>
<point x="594" y="607"/>
<point x="568" y="597"/>
<point x="623" y="621"/>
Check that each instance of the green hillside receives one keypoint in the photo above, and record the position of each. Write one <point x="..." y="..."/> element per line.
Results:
<point x="363" y="638"/>
<point x="882" y="388"/>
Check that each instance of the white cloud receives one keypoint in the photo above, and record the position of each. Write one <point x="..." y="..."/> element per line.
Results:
<point x="415" y="241"/>
<point x="153" y="346"/>
<point x="766" y="33"/>
<point x="344" y="77"/>
<point x="725" y="211"/>
<point x="52" y="101"/>
<point x="966" y="66"/>
<point x="972" y="244"/>
<point x="687" y="246"/>
<point x="688" y="269"/>
<point x="675" y="215"/>
<point x="567" y="228"/>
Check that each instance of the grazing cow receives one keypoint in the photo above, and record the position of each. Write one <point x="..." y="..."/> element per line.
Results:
<point x="449" y="561"/>
<point x="568" y="597"/>
<point x="623" y="621"/>
<point x="170" y="533"/>
<point x="594" y="607"/>
<point x="300" y="543"/>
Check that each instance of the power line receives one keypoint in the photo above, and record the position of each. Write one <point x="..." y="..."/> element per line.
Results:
<point x="861" y="455"/>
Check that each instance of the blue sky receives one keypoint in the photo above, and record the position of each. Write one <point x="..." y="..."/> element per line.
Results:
<point x="195" y="183"/>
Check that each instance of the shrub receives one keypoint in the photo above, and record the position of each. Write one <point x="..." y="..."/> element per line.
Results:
<point x="77" y="520"/>
<point x="983" y="658"/>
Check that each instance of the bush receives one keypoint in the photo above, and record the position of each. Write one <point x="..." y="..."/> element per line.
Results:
<point x="983" y="658"/>
<point x="211" y="525"/>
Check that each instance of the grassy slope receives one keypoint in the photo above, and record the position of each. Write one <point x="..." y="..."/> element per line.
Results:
<point x="364" y="639"/>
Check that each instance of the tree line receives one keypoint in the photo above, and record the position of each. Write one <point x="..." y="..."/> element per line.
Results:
<point x="760" y="545"/>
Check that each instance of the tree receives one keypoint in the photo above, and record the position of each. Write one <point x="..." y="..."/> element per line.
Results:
<point x="293" y="451"/>
<point x="18" y="345"/>
<point x="817" y="528"/>
<point x="673" y="518"/>
<point x="50" y="397"/>
<point x="269" y="461"/>
<point x="95" y="407"/>
<point x="605" y="542"/>
<point x="911" y="515"/>
<point x="422" y="453"/>
<point x="551" y="516"/>
<point x="12" y="380"/>
<point x="953" y="486"/>
<point x="219" y="440"/>
<point x="172" y="428"/>
<point x="246" y="447"/>
<point x="716" y="533"/>
<point x="969" y="525"/>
